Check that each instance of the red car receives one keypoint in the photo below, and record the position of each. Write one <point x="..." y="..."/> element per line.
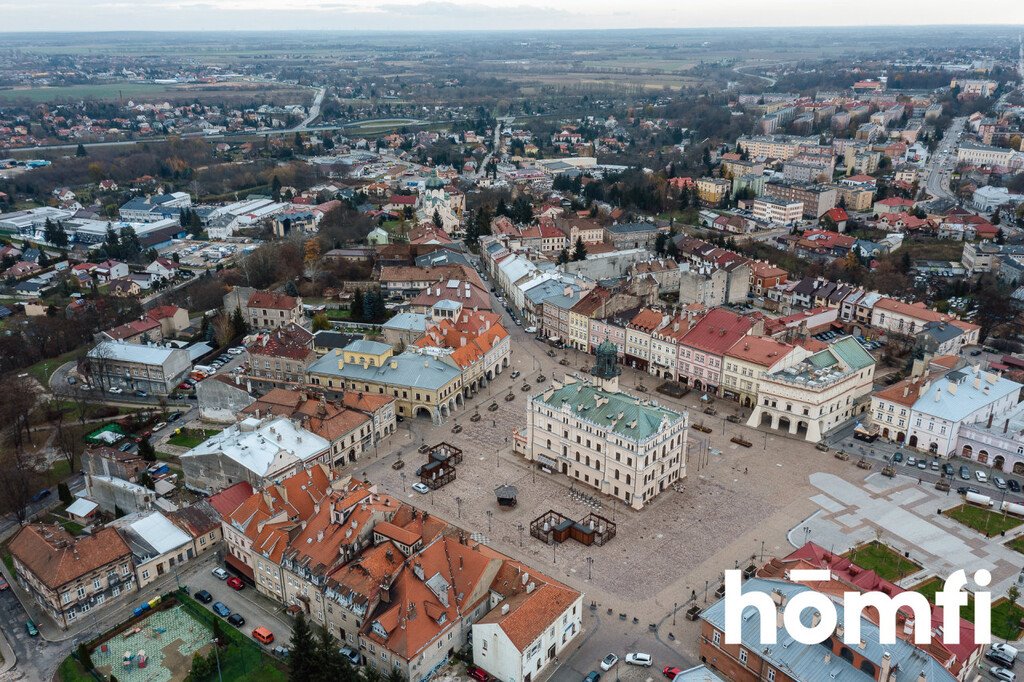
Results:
<point x="670" y="672"/>
<point x="478" y="673"/>
<point x="235" y="583"/>
<point x="3" y="584"/>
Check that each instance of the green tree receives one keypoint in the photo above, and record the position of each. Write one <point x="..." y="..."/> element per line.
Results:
<point x="579" y="251"/>
<point x="320" y="322"/>
<point x="84" y="657"/>
<point x="64" y="493"/>
<point x="275" y="186"/>
<point x="80" y="150"/>
<point x="356" y="308"/>
<point x="380" y="310"/>
<point x="146" y="450"/>
<point x="130" y="246"/>
<point x="369" y="301"/>
<point x="302" y="665"/>
<point x="201" y="669"/>
<point x="563" y="256"/>
<point x="298" y="140"/>
<point x="238" y="323"/>
<point x="437" y="220"/>
<point x="331" y="666"/>
<point x="659" y="243"/>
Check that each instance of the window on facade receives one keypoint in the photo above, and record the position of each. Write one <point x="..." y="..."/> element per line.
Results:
<point x="716" y="637"/>
<point x="743" y="656"/>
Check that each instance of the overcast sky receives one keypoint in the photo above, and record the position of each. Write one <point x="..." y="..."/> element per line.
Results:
<point x="86" y="15"/>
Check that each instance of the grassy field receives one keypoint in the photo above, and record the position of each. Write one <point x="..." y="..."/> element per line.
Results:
<point x="883" y="560"/>
<point x="44" y="368"/>
<point x="929" y="587"/>
<point x="338" y="314"/>
<point x="1006" y="620"/>
<point x="1017" y="544"/>
<point x="190" y="438"/>
<point x="984" y="521"/>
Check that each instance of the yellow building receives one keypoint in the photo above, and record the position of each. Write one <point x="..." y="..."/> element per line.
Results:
<point x="420" y="383"/>
<point x="751" y="358"/>
<point x="712" y="191"/>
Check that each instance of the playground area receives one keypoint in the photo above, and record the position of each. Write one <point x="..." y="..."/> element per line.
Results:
<point x="156" y="649"/>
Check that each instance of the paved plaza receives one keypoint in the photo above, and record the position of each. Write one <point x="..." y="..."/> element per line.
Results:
<point x="905" y="513"/>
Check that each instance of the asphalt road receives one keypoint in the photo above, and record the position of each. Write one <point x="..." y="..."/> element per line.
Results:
<point x="943" y="160"/>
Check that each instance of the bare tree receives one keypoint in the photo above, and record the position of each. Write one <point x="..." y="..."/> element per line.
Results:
<point x="19" y="400"/>
<point x="18" y="483"/>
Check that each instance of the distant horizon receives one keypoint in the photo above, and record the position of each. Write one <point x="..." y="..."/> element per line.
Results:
<point x="423" y="16"/>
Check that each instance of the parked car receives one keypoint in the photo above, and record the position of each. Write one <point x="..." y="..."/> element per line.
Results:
<point x="174" y="416"/>
<point x="515" y="374"/>
<point x="236" y="619"/>
<point x="947" y="469"/>
<point x="921" y="464"/>
<point x="671" y="671"/>
<point x="353" y="656"/>
<point x="897" y="456"/>
<point x="220" y="573"/>
<point x="115" y="390"/>
<point x="477" y="673"/>
<point x="263" y="635"/>
<point x="1013" y="485"/>
<point x="1003" y="674"/>
<point x="1005" y="649"/>
<point x="1000" y="482"/>
<point x="911" y="461"/>
<point x="203" y="596"/>
<point x="421" y="488"/>
<point x="638" y="658"/>
<point x="3" y="584"/>
<point x="981" y="476"/>
<point x="592" y="676"/>
<point x="935" y="465"/>
<point x="72" y="380"/>
<point x="31" y="628"/>
<point x="158" y="426"/>
<point x="609" y="661"/>
<point x="41" y="495"/>
<point x="235" y="583"/>
<point x="965" y="473"/>
<point x="141" y="394"/>
<point x="220" y="609"/>
<point x="999" y="659"/>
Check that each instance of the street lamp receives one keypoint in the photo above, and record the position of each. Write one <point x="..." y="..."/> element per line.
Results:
<point x="402" y="474"/>
<point x="590" y="564"/>
<point x="520" y="526"/>
<point x="489" y="515"/>
<point x="458" y="503"/>
<point x="216" y="655"/>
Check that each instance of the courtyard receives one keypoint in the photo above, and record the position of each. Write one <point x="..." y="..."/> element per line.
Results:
<point x="169" y="640"/>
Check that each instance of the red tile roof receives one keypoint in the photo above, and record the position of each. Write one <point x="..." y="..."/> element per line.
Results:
<point x="56" y="557"/>
<point x="760" y="350"/>
<point x="272" y="300"/>
<point x="229" y="499"/>
<point x="717" y="332"/>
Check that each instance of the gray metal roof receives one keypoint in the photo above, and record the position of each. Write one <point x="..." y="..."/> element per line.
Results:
<point x="809" y="662"/>
<point x="408" y="369"/>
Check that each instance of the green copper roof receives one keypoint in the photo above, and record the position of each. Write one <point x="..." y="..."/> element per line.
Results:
<point x="583" y="399"/>
<point x="852" y="353"/>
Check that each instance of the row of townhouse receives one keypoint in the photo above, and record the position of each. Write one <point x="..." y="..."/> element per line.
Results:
<point x="402" y="588"/>
<point x="869" y="309"/>
<point x="959" y="410"/>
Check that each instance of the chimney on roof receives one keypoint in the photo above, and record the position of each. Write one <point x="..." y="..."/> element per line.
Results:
<point x="885" y="668"/>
